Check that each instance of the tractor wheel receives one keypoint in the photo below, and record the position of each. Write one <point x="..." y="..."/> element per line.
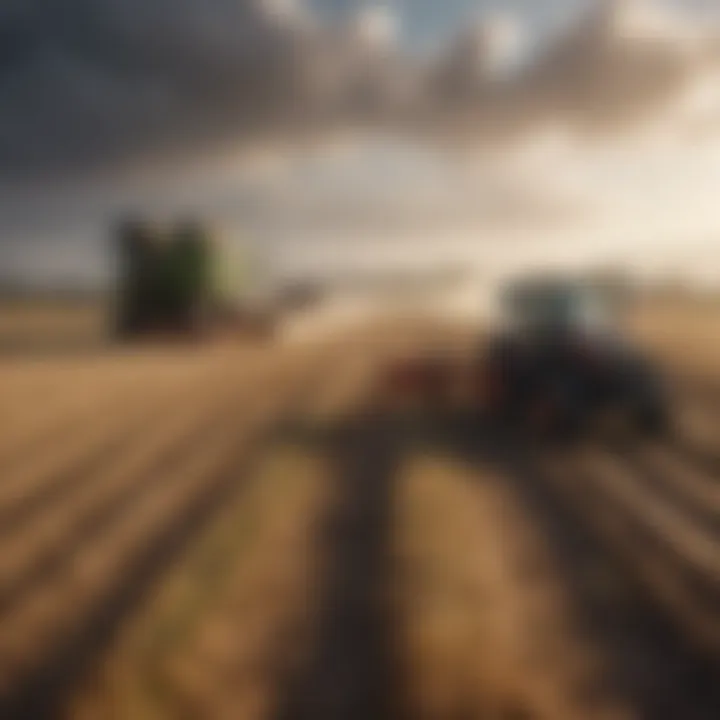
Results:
<point x="653" y="421"/>
<point x="558" y="414"/>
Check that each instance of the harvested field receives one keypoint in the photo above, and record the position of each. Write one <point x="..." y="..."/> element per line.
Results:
<point x="36" y="324"/>
<point x="250" y="533"/>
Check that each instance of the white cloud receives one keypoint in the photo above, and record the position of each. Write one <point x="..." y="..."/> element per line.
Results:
<point x="376" y="26"/>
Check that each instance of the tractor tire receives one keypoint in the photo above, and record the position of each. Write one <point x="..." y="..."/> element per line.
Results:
<point x="653" y="422"/>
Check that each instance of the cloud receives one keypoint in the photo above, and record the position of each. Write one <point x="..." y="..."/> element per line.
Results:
<point x="105" y="82"/>
<point x="97" y="80"/>
<point x="624" y="64"/>
<point x="376" y="26"/>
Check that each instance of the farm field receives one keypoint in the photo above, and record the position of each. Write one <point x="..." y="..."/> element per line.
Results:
<point x="52" y="324"/>
<point x="248" y="532"/>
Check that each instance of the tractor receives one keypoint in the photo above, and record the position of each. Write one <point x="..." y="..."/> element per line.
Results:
<point x="555" y="362"/>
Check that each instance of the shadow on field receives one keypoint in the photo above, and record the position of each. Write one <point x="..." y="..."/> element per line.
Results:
<point x="648" y="660"/>
<point x="351" y="671"/>
<point x="698" y="455"/>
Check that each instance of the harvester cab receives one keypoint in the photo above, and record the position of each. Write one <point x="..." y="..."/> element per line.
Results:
<point x="163" y="279"/>
<point x="179" y="281"/>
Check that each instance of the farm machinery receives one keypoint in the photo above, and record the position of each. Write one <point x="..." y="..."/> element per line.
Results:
<point x="554" y="363"/>
<point x="176" y="283"/>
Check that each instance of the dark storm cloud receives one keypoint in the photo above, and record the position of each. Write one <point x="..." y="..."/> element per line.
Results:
<point x="98" y="82"/>
<point x="88" y="80"/>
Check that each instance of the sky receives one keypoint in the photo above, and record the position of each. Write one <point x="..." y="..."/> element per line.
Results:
<point x="427" y="23"/>
<point x="336" y="132"/>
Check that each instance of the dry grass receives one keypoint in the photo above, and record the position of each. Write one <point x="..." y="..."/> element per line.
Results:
<point x="46" y="321"/>
<point x="101" y="454"/>
<point x="221" y="630"/>
<point x="486" y="629"/>
<point x="688" y="336"/>
<point x="208" y="640"/>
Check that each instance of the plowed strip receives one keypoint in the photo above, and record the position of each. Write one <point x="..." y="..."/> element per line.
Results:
<point x="686" y="487"/>
<point x="487" y="627"/>
<point x="681" y="537"/>
<point x="112" y="574"/>
<point x="648" y="656"/>
<point x="37" y="424"/>
<point x="43" y="477"/>
<point x="254" y="631"/>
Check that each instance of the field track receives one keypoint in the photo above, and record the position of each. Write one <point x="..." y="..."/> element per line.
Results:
<point x="251" y="533"/>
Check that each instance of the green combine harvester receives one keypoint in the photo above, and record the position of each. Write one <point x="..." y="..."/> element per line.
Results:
<point x="178" y="283"/>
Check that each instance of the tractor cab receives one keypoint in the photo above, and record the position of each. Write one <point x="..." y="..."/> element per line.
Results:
<point x="549" y="307"/>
